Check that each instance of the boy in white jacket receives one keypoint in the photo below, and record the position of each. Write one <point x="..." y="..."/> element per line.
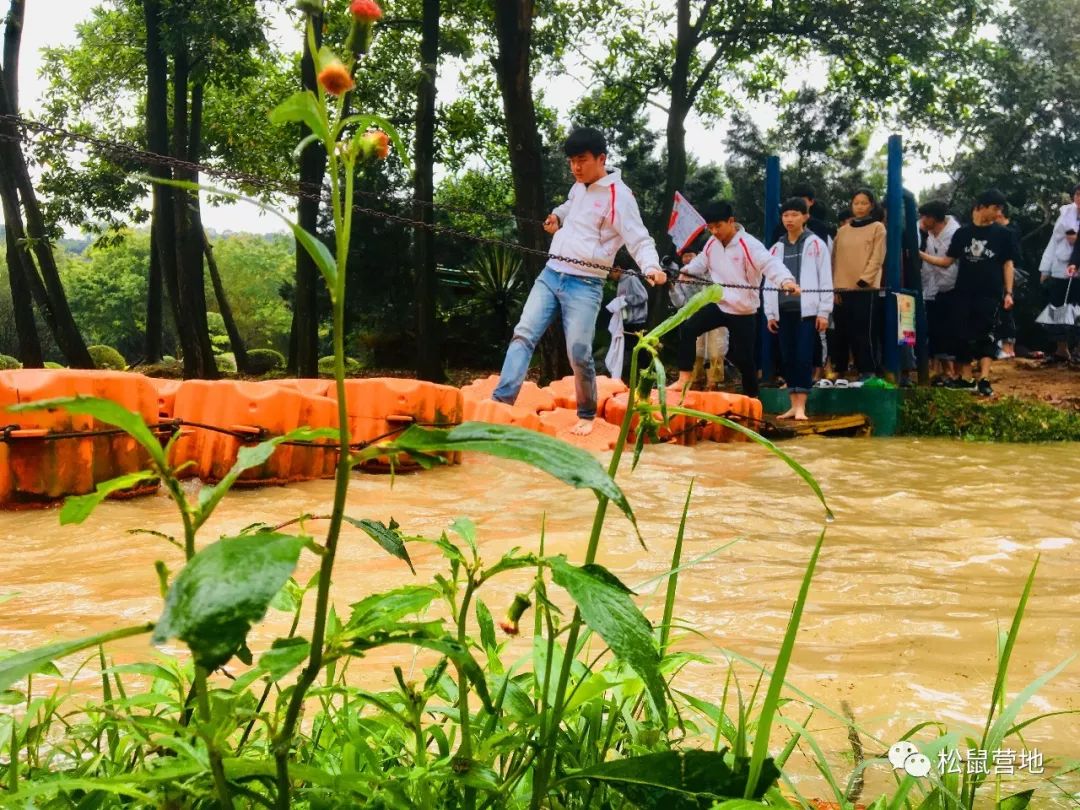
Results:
<point x="799" y="317"/>
<point x="599" y="217"/>
<point x="737" y="262"/>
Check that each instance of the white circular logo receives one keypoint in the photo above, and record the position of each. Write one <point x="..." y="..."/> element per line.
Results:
<point x="904" y="755"/>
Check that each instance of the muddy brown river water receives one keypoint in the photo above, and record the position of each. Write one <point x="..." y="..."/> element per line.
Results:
<point x="924" y="564"/>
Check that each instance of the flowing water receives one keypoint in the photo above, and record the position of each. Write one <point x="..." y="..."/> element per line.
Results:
<point x="923" y="566"/>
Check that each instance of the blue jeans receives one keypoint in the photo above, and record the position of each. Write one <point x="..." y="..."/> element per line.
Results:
<point x="577" y="299"/>
<point x="797" y="338"/>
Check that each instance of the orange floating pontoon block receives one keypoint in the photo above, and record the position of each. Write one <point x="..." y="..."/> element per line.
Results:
<point x="36" y="469"/>
<point x="603" y="434"/>
<point x="257" y="411"/>
<point x="381" y="407"/>
<point x="531" y="397"/>
<point x="499" y="413"/>
<point x="565" y="396"/>
<point x="742" y="409"/>
<point x="680" y="429"/>
<point x="166" y="391"/>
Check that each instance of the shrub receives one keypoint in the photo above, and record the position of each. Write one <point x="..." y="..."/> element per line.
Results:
<point x="263" y="361"/>
<point x="7" y="362"/>
<point x="226" y="363"/>
<point x="51" y="364"/>
<point x="326" y="366"/>
<point x="106" y="357"/>
<point x="958" y="414"/>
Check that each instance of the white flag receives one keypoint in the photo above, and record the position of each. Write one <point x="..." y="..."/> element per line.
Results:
<point x="685" y="224"/>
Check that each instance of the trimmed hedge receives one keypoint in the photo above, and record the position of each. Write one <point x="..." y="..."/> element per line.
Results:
<point x="8" y="363"/>
<point x="226" y="363"/>
<point x="106" y="357"/>
<point x="326" y="366"/>
<point x="263" y="361"/>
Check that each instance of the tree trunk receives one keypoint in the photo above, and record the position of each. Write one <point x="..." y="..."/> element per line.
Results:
<point x="235" y="340"/>
<point x="304" y="337"/>
<point x="29" y="343"/>
<point x="199" y="358"/>
<point x="154" y="330"/>
<point x="162" y="218"/>
<point x="20" y="266"/>
<point x="17" y="188"/>
<point x="428" y="343"/>
<point x="513" y="30"/>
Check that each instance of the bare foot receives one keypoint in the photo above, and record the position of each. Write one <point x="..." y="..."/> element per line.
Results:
<point x="788" y="414"/>
<point x="582" y="428"/>
<point x="800" y="416"/>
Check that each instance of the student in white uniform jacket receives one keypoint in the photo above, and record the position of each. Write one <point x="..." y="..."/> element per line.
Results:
<point x="800" y="319"/>
<point x="597" y="219"/>
<point x="731" y="257"/>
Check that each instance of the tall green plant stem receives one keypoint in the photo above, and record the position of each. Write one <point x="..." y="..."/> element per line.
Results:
<point x="343" y="222"/>
<point x="465" y="749"/>
<point x="547" y="760"/>
<point x="217" y="768"/>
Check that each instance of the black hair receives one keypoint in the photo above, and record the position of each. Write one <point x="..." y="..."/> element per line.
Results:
<point x="869" y="194"/>
<point x="585" y="139"/>
<point x="718" y="211"/>
<point x="845" y="213"/>
<point x="991" y="197"/>
<point x="1076" y="189"/>
<point x="803" y="190"/>
<point x="935" y="209"/>
<point x="794" y="204"/>
<point x="1070" y="230"/>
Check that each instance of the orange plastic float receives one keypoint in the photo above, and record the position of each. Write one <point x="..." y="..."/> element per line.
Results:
<point x="217" y="418"/>
<point x="36" y="467"/>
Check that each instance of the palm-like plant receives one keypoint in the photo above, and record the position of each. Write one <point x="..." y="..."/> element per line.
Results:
<point x="497" y="278"/>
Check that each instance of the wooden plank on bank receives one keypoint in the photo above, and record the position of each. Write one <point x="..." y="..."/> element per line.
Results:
<point x="854" y="424"/>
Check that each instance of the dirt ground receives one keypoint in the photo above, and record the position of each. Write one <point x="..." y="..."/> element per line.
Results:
<point x="1056" y="384"/>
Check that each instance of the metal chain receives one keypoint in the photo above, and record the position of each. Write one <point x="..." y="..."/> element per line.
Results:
<point x="314" y="193"/>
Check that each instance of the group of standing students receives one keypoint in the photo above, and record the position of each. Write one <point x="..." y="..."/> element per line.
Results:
<point x="812" y="277"/>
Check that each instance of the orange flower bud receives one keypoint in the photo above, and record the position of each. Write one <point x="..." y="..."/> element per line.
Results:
<point x="366" y="10"/>
<point x="511" y="624"/>
<point x="377" y="143"/>
<point x="335" y="79"/>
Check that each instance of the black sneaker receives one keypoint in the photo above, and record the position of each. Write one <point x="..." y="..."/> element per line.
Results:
<point x="940" y="382"/>
<point x="961" y="384"/>
<point x="984" y="388"/>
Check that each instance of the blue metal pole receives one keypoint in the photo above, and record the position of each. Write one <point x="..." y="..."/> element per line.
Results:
<point x="766" y="339"/>
<point x="890" y="350"/>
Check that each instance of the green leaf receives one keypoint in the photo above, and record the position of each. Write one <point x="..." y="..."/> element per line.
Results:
<point x="4" y="597"/>
<point x="466" y="530"/>
<point x="387" y="537"/>
<point x="248" y="457"/>
<point x="382" y="612"/>
<point x="107" y="411"/>
<point x="304" y="107"/>
<point x="284" y="655"/>
<point x="1018" y="801"/>
<point x="710" y="295"/>
<point x="675" y="780"/>
<point x="16" y="667"/>
<point x="78" y="508"/>
<point x="223" y="590"/>
<point x="487" y="626"/>
<point x="606" y="607"/>
<point x="759" y="758"/>
<point x="315" y="247"/>
<point x="569" y="464"/>
<point x="460" y="655"/>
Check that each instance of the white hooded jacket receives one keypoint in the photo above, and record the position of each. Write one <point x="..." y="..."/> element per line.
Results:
<point x="1058" y="245"/>
<point x="595" y="221"/>
<point x="743" y="261"/>
<point x="815" y="273"/>
<point x="940" y="279"/>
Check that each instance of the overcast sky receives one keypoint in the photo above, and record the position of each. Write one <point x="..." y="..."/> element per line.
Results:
<point x="51" y="23"/>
